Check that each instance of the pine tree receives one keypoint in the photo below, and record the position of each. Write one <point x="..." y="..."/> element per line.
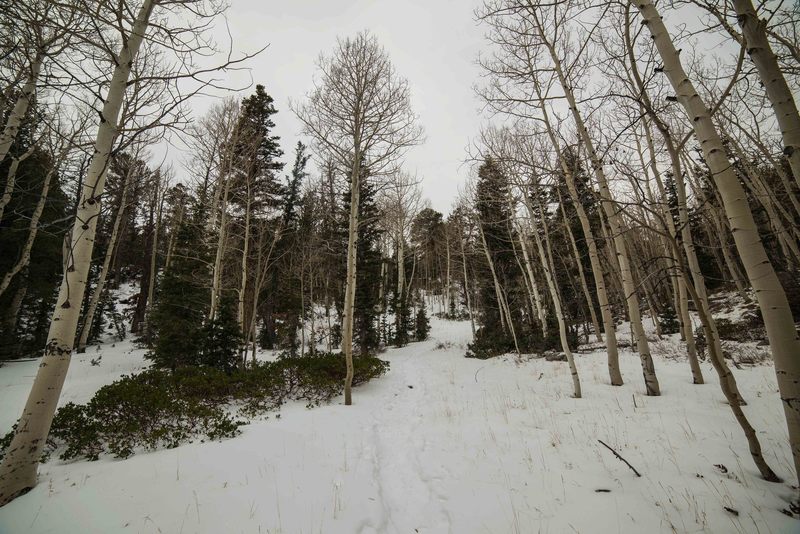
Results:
<point x="23" y="326"/>
<point x="221" y="338"/>
<point x="285" y="294"/>
<point x="493" y="212"/>
<point x="257" y="152"/>
<point x="177" y="319"/>
<point x="422" y="326"/>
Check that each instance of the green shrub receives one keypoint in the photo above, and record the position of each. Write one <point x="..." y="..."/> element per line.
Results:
<point x="158" y="408"/>
<point x="422" y="325"/>
<point x="668" y="320"/>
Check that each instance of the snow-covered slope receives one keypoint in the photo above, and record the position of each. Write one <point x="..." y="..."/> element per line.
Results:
<point x="440" y="444"/>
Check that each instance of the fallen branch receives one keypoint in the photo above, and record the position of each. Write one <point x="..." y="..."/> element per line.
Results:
<point x="620" y="457"/>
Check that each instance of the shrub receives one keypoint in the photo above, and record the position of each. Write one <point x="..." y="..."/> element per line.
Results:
<point x="423" y="326"/>
<point x="158" y="408"/>
<point x="668" y="320"/>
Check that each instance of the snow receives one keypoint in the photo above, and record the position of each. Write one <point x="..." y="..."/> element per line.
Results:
<point x="440" y="444"/>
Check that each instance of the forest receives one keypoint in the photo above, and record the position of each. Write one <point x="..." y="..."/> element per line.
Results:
<point x="616" y="280"/>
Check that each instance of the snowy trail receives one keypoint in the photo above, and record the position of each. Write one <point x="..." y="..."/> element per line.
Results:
<point x="441" y="444"/>
<point x="404" y="470"/>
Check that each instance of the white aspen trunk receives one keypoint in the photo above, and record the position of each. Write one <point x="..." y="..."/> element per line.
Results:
<point x="11" y="179"/>
<point x="581" y="274"/>
<point x="787" y="237"/>
<point x="626" y="273"/>
<point x="350" y="287"/>
<point x="18" y="470"/>
<point x="401" y="280"/>
<point x="245" y="253"/>
<point x="11" y="128"/>
<point x="328" y="341"/>
<point x="775" y="85"/>
<point x="505" y="313"/>
<point x="546" y="261"/>
<point x="447" y="276"/>
<point x="410" y="283"/>
<point x="682" y="308"/>
<point x="717" y="360"/>
<point x="606" y="200"/>
<point x="701" y="300"/>
<point x="537" y="299"/>
<point x="466" y="288"/>
<point x="175" y="228"/>
<point x="33" y="229"/>
<point x="151" y="288"/>
<point x="101" y="281"/>
<point x="302" y="314"/>
<point x="771" y="297"/>
<point x="312" y="342"/>
<point x="609" y="327"/>
<point x="216" y="275"/>
<point x="10" y="320"/>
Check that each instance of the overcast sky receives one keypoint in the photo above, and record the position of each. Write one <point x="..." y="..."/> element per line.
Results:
<point x="432" y="43"/>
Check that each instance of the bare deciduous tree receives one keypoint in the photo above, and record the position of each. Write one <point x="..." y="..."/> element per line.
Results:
<point x="359" y="114"/>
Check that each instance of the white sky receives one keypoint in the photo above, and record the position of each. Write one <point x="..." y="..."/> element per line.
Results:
<point x="432" y="43"/>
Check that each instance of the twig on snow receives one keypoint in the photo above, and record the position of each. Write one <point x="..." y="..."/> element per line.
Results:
<point x="638" y="474"/>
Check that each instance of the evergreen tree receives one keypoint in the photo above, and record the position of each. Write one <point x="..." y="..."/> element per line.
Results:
<point x="257" y="153"/>
<point x="26" y="304"/>
<point x="177" y="319"/>
<point x="221" y="337"/>
<point x="422" y="327"/>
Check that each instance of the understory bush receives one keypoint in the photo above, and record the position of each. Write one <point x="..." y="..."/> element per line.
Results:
<point x="490" y="343"/>
<point x="158" y="408"/>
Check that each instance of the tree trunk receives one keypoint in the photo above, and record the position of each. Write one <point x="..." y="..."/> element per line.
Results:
<point x="216" y="275"/>
<point x="18" y="470"/>
<point x="581" y="274"/>
<point x="245" y="252"/>
<point x="28" y="93"/>
<point x="683" y="305"/>
<point x="609" y="327"/>
<point x="350" y="287"/>
<point x="505" y="313"/>
<point x="606" y="200"/>
<point x="778" y="91"/>
<point x="98" y="290"/>
<point x="11" y="179"/>
<point x="537" y="299"/>
<point x="33" y="229"/>
<point x="546" y="260"/>
<point x="771" y="297"/>
<point x="466" y="288"/>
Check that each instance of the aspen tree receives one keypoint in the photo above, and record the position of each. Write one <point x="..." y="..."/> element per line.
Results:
<point x="608" y="206"/>
<point x="360" y="116"/>
<point x="771" y="296"/>
<point x="18" y="469"/>
<point x="133" y="169"/>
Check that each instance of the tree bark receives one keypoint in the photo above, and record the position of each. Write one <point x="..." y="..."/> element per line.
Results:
<point x="11" y="179"/>
<point x="581" y="274"/>
<point x="350" y="287"/>
<point x="607" y="203"/>
<point x="98" y="290"/>
<point x="777" y="89"/>
<point x="609" y="327"/>
<point x="18" y="470"/>
<point x="466" y="288"/>
<point x="545" y="258"/>
<point x="9" y="134"/>
<point x="33" y="229"/>
<point x="771" y="297"/>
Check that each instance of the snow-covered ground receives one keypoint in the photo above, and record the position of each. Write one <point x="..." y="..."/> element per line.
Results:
<point x="440" y="444"/>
